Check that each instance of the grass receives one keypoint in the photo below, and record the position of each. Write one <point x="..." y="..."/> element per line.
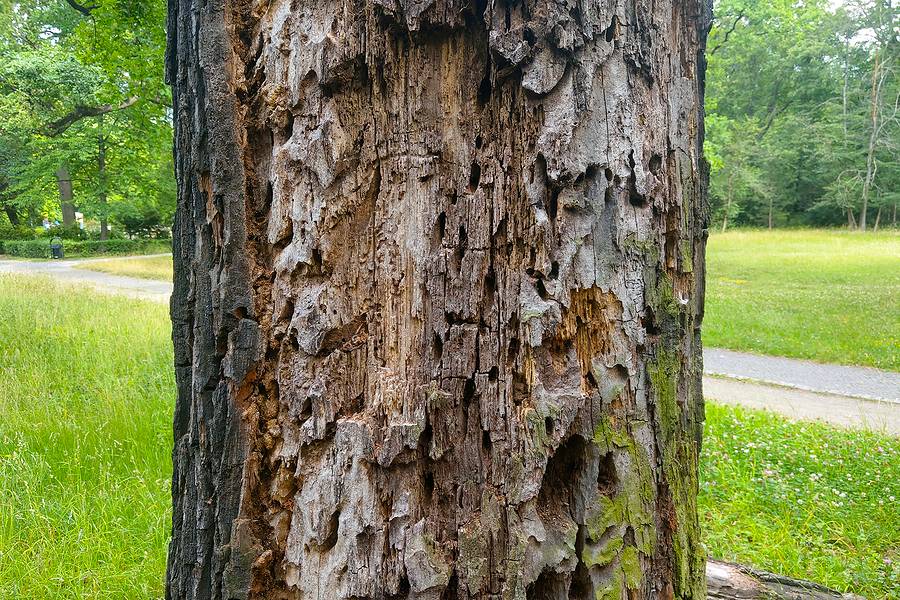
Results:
<point x="86" y="396"/>
<point x="823" y="295"/>
<point x="804" y="500"/>
<point x="158" y="268"/>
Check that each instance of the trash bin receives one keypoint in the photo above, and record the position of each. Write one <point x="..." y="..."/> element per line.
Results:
<point x="56" y="247"/>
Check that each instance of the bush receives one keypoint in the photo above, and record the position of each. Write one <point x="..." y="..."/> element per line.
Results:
<point x="41" y="248"/>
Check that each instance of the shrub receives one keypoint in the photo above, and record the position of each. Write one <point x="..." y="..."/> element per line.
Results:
<point x="83" y="248"/>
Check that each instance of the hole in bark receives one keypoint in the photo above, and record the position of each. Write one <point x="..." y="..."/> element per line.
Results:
<point x="548" y="425"/>
<point x="240" y="312"/>
<point x="541" y="289"/>
<point x="581" y="587"/>
<point x="591" y="380"/>
<point x="512" y="350"/>
<point x="332" y="537"/>
<point x="607" y="479"/>
<point x="553" y="205"/>
<point x="403" y="587"/>
<point x="441" y="226"/>
<point x="655" y="163"/>
<point x="490" y="283"/>
<point x="270" y="194"/>
<point x="554" y="270"/>
<point x="636" y="199"/>
<point x="425" y="439"/>
<point x="493" y="373"/>
<point x="289" y="125"/>
<point x="607" y="172"/>
<point x="468" y="392"/>
<point x="648" y="321"/>
<point x="486" y="443"/>
<point x="453" y="198"/>
<point x="612" y="30"/>
<point x="437" y="347"/>
<point x="591" y="171"/>
<point x="478" y="142"/>
<point x="451" y="592"/>
<point x="508" y="17"/>
<point x="474" y="176"/>
<point x="484" y="90"/>
<point x="549" y="585"/>
<point x="428" y="486"/>
<point x="563" y="468"/>
<point x="528" y="36"/>
<point x="519" y="389"/>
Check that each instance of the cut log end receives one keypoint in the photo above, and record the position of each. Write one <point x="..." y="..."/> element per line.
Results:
<point x="728" y="581"/>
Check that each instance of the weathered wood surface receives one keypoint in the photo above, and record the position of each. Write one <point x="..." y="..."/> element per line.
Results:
<point x="439" y="285"/>
<point x="727" y="581"/>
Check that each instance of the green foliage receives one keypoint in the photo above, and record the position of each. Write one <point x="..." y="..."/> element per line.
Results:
<point x="789" y="113"/>
<point x="823" y="295"/>
<point x="85" y="93"/>
<point x="84" y="248"/>
<point x="85" y="440"/>
<point x="804" y="500"/>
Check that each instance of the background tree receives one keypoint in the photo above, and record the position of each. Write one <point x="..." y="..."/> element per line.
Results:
<point x="82" y="85"/>
<point x="794" y="82"/>
<point x="438" y="291"/>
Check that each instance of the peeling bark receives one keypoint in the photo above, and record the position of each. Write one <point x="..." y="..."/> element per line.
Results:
<point x="438" y="293"/>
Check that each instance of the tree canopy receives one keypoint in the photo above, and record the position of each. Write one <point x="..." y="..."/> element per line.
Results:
<point x="802" y="112"/>
<point x="82" y="88"/>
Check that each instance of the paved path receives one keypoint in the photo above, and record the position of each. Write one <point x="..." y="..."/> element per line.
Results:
<point x="804" y="405"/>
<point x="800" y="389"/>
<point x="857" y="382"/>
<point x="67" y="270"/>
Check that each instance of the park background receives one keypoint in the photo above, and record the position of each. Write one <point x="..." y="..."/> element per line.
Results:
<point x="802" y="135"/>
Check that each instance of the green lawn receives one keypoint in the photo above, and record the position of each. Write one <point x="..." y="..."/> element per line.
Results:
<point x="829" y="296"/>
<point x="86" y="395"/>
<point x="804" y="500"/>
<point x="153" y="267"/>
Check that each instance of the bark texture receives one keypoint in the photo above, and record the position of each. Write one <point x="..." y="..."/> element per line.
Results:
<point x="438" y="292"/>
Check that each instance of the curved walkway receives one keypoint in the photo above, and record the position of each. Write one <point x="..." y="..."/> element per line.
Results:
<point x="67" y="270"/>
<point x="857" y="397"/>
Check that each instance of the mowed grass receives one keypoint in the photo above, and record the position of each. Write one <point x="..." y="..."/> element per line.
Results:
<point x="801" y="499"/>
<point x="828" y="296"/>
<point x="158" y="268"/>
<point x="86" y="397"/>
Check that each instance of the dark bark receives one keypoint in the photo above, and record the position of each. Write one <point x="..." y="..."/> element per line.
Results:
<point x="438" y="293"/>
<point x="102" y="194"/>
<point x="64" y="183"/>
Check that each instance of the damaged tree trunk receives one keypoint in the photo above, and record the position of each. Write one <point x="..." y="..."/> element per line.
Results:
<point x="438" y="292"/>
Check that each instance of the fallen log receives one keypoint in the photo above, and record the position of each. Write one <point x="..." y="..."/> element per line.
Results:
<point x="728" y="581"/>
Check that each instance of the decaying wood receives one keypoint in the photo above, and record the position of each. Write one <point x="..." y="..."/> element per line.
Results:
<point x="439" y="285"/>
<point x="727" y="581"/>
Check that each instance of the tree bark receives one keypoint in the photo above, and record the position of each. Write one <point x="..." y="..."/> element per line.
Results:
<point x="64" y="182"/>
<point x="727" y="581"/>
<point x="102" y="194"/>
<point x="438" y="293"/>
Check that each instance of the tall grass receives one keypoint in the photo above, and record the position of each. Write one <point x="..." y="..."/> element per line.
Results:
<point x="86" y="394"/>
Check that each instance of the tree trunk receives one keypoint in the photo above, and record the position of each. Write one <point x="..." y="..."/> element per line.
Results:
<point x="64" y="182"/>
<point x="101" y="195"/>
<point x="12" y="214"/>
<point x="438" y="292"/>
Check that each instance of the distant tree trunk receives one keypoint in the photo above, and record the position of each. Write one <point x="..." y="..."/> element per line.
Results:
<point x="64" y="182"/>
<point x="102" y="194"/>
<point x="729" y="194"/>
<point x="12" y="214"/>
<point x="438" y="293"/>
<point x="878" y="77"/>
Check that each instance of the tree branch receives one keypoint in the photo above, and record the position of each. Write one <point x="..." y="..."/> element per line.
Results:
<point x="84" y="9"/>
<point x="737" y="20"/>
<point x="80" y="112"/>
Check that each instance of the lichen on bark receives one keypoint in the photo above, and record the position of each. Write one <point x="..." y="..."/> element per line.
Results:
<point x="439" y="285"/>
